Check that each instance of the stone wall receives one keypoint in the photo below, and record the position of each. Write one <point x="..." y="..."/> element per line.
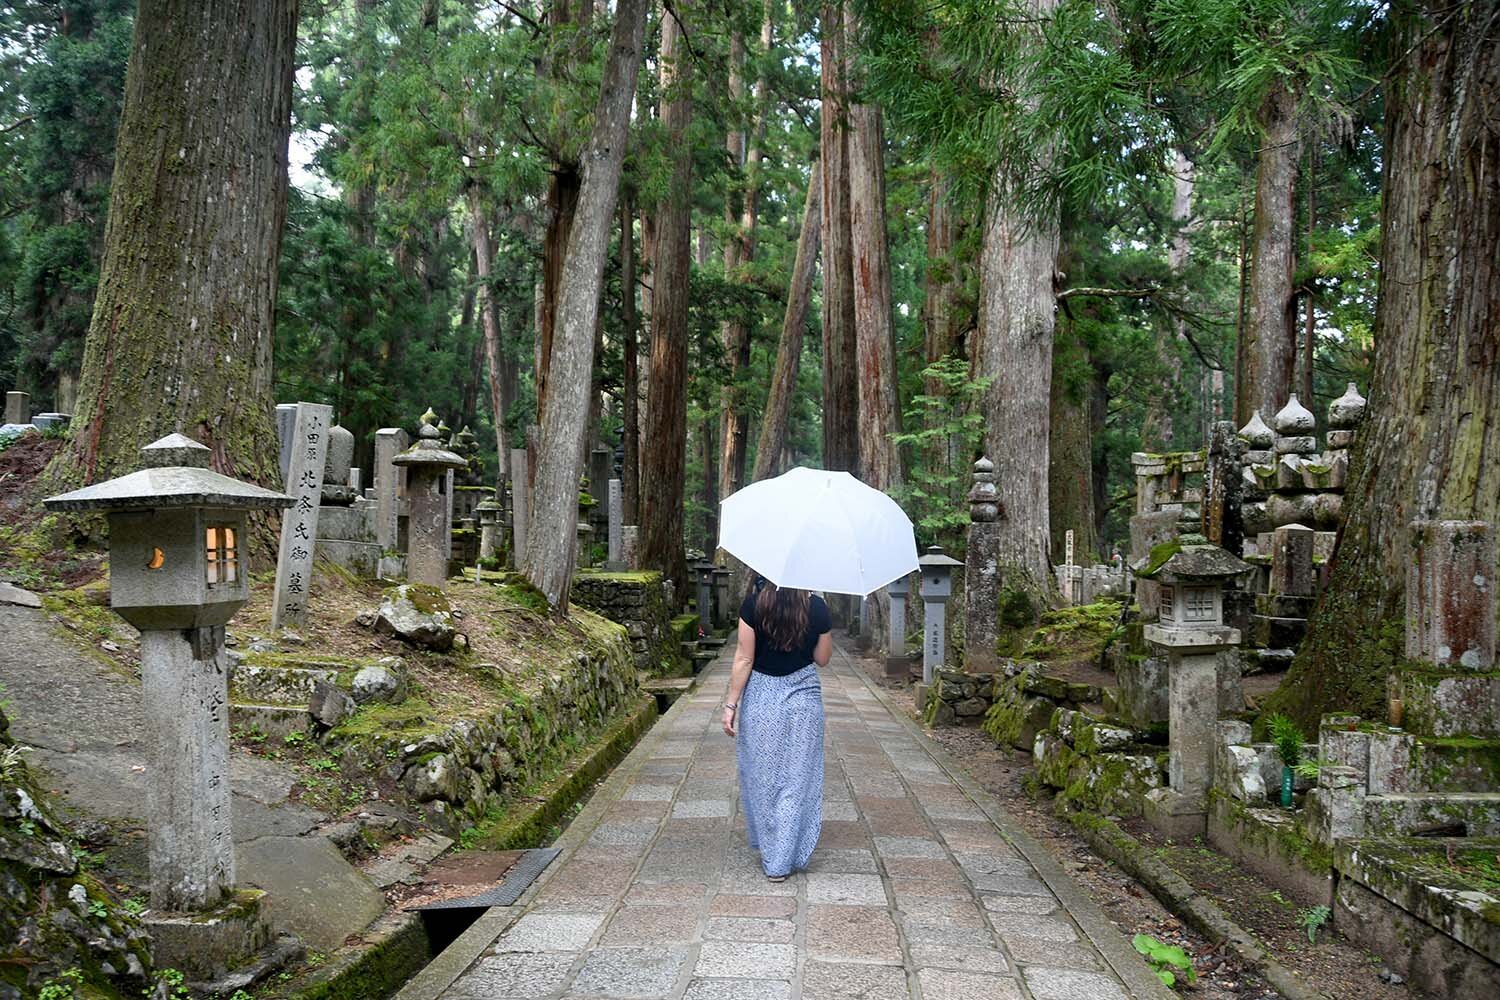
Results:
<point x="637" y="601"/>
<point x="957" y="698"/>
<point x="455" y="775"/>
<point x="56" y="920"/>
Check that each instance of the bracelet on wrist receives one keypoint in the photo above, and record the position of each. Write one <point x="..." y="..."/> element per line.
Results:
<point x="730" y="705"/>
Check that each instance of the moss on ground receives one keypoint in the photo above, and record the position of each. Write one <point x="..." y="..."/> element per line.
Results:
<point x="1075" y="634"/>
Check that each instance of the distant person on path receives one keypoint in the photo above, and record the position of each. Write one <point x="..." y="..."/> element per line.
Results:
<point x="774" y="708"/>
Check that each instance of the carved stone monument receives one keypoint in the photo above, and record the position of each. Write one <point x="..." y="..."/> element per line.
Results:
<point x="982" y="572"/>
<point x="429" y="471"/>
<point x="299" y="524"/>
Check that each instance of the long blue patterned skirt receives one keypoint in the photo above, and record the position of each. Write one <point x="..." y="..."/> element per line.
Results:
<point x="780" y="754"/>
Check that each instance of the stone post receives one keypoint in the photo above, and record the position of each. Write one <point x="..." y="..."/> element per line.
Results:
<point x="1223" y="487"/>
<point x="17" y="408"/>
<point x="704" y="571"/>
<point x="286" y="428"/>
<point x="299" y="524"/>
<point x="1450" y="595"/>
<point x="1292" y="561"/>
<point x="896" y="640"/>
<point x="630" y="541"/>
<point x="429" y="542"/>
<point x="488" y="512"/>
<point x="937" y="588"/>
<point x="723" y="613"/>
<point x="520" y="502"/>
<point x="981" y="575"/>
<point x="390" y="485"/>
<point x="616" y="523"/>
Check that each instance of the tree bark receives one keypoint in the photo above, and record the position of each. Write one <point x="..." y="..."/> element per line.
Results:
<point x="489" y="321"/>
<point x="1070" y="478"/>
<point x="630" y="433"/>
<point x="739" y="252"/>
<point x="1157" y="431"/>
<point x="789" y="350"/>
<point x="550" y="549"/>
<point x="840" y="386"/>
<point x="1017" y="307"/>
<point x="1271" y="332"/>
<point x="879" y="460"/>
<point x="1428" y="445"/>
<point x="664" y="462"/>
<point x="182" y="329"/>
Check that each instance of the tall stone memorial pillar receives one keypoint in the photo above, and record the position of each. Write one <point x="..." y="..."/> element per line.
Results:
<point x="937" y="587"/>
<point x="982" y="573"/>
<point x="299" y="525"/>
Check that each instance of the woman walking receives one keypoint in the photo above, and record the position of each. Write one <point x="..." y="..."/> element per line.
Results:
<point x="774" y="708"/>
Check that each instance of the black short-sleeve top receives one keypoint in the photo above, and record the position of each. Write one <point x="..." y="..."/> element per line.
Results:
<point x="780" y="662"/>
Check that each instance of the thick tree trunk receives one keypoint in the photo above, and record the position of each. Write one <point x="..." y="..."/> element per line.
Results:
<point x="489" y="321"/>
<point x="939" y="323"/>
<point x="1271" y="330"/>
<point x="879" y="461"/>
<point x="550" y="547"/>
<point x="739" y="252"/>
<point x="1429" y="444"/>
<point x="1017" y="314"/>
<point x="840" y="385"/>
<point x="1070" y="478"/>
<point x="563" y="191"/>
<point x="664" y="462"/>
<point x="182" y="329"/>
<point x="630" y="394"/>
<point x="1157" y="430"/>
<point x="789" y="350"/>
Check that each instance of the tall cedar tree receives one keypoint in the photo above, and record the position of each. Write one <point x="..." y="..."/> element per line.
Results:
<point x="181" y="335"/>
<point x="664" y="462"/>
<point x="551" y="537"/>
<point x="840" y="387"/>
<point x="1428" y="446"/>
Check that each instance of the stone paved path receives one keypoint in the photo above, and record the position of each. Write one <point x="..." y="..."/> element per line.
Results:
<point x="914" y="891"/>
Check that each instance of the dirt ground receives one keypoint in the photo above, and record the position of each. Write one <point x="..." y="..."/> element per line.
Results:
<point x="1337" y="968"/>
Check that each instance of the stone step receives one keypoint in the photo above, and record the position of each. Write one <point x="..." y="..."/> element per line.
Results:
<point x="1399" y="815"/>
<point x="276" y="721"/>
<point x="278" y="685"/>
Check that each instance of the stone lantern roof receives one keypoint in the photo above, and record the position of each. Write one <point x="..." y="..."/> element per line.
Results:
<point x="1188" y="561"/>
<point x="427" y="452"/>
<point x="935" y="556"/>
<point x="176" y="474"/>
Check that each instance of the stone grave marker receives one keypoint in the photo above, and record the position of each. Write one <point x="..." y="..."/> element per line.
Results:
<point x="616" y="526"/>
<point x="981" y="578"/>
<point x="299" y="523"/>
<point x="520" y="478"/>
<point x="286" y="427"/>
<point x="17" y="408"/>
<point x="390" y="485"/>
<point x="1292" y="561"/>
<point x="430" y="468"/>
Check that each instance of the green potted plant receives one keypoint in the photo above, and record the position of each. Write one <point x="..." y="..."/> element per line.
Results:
<point x="1287" y="739"/>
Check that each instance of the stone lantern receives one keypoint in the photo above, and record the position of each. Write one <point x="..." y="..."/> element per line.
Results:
<point x="178" y="573"/>
<point x="429" y="530"/>
<point x="1190" y="631"/>
<point x="936" y="589"/>
<point x="488" y="512"/>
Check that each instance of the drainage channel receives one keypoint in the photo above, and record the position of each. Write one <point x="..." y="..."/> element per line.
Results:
<point x="445" y="920"/>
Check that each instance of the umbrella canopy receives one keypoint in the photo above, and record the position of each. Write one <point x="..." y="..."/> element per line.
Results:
<point x="817" y="530"/>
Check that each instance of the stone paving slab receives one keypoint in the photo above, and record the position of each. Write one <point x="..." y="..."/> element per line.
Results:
<point x="918" y="890"/>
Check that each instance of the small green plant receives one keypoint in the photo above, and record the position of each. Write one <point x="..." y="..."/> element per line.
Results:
<point x="1168" y="961"/>
<point x="295" y="738"/>
<point x="98" y="910"/>
<point x="12" y="764"/>
<point x="1309" y="769"/>
<point x="1311" y="919"/>
<point x="169" y="983"/>
<point x="134" y="906"/>
<point x="241" y="995"/>
<point x="325" y="764"/>
<point x="64" y="987"/>
<point x="1275" y="894"/>
<point x="1287" y="738"/>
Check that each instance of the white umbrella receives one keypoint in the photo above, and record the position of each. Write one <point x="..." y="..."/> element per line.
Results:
<point x="816" y="530"/>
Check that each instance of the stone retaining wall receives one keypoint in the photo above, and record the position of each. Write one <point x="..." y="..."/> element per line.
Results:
<point x="455" y="775"/>
<point x="637" y="601"/>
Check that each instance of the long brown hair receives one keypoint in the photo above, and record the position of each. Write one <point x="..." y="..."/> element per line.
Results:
<point x="783" y="614"/>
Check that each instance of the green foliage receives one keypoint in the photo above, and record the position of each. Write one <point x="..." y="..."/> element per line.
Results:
<point x="65" y="986"/>
<point x="1313" y="918"/>
<point x="1168" y="961"/>
<point x="948" y="428"/>
<point x="1287" y="737"/>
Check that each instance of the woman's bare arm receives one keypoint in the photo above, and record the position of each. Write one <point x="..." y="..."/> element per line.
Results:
<point x="823" y="651"/>
<point x="739" y="675"/>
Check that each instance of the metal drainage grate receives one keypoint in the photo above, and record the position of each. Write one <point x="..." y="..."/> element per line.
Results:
<point x="517" y="881"/>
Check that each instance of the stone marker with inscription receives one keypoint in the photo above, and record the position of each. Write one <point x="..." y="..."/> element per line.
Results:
<point x="299" y="524"/>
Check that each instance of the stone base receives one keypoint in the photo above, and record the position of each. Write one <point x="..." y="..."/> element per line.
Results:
<point x="898" y="668"/>
<point x="391" y="568"/>
<point x="1175" y="815"/>
<point x="360" y="558"/>
<point x="1266" y="840"/>
<point x="1433" y="929"/>
<point x="206" y="945"/>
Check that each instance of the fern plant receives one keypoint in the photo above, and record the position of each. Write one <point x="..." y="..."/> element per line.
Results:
<point x="1287" y="738"/>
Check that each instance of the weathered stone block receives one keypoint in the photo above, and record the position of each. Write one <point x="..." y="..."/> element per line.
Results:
<point x="1292" y="561"/>
<point x="1450" y="594"/>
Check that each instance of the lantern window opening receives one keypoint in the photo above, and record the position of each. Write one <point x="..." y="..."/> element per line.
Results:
<point x="222" y="555"/>
<point x="1198" y="604"/>
<point x="1167" y="612"/>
